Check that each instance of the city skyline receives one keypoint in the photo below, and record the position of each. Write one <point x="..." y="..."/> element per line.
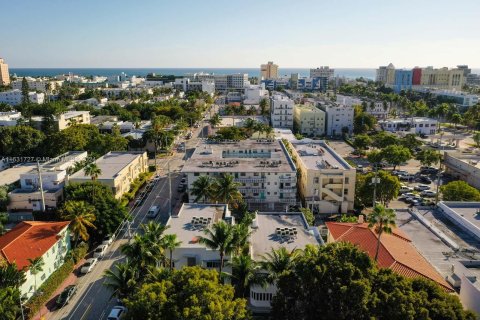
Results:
<point x="239" y="34"/>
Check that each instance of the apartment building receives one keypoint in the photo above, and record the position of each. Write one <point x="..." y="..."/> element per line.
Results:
<point x="379" y="109"/>
<point x="31" y="240"/>
<point x="386" y="74"/>
<point x="186" y="84"/>
<point x="263" y="167"/>
<point x="339" y="118"/>
<point x="348" y="100"/>
<point x="416" y="125"/>
<point x="269" y="70"/>
<point x="223" y="82"/>
<point x="28" y="197"/>
<point x="69" y="118"/>
<point x="326" y="182"/>
<point x="463" y="166"/>
<point x="9" y="119"/>
<point x="309" y="120"/>
<point x="15" y="97"/>
<point x="38" y="84"/>
<point x="461" y="99"/>
<point x="119" y="169"/>
<point x="281" y="111"/>
<point x="4" y="74"/>
<point x="270" y="230"/>
<point x="254" y="94"/>
<point x="322" y="72"/>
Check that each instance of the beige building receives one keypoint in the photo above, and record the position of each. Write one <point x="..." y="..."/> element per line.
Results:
<point x="309" y="120"/>
<point x="326" y="182"/>
<point x="119" y="169"/>
<point x="269" y="70"/>
<point x="68" y="118"/>
<point x="463" y="166"/>
<point x="4" y="74"/>
<point x="442" y="78"/>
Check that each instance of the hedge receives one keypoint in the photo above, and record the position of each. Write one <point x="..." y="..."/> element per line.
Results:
<point x="136" y="184"/>
<point x="49" y="287"/>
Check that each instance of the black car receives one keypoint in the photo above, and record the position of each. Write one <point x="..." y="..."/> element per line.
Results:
<point x="66" y="295"/>
<point x="424" y="179"/>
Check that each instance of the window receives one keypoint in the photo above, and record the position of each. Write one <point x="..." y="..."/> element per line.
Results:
<point x="191" y="261"/>
<point x="316" y="180"/>
<point x="242" y="174"/>
<point x="347" y="180"/>
<point x="345" y="191"/>
<point x="213" y="264"/>
<point x="256" y="174"/>
<point x="196" y="174"/>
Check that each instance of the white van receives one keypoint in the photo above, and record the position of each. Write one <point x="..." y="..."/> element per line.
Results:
<point x="153" y="212"/>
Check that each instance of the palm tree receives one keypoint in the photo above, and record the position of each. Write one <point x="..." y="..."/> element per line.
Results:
<point x="245" y="272"/>
<point x="241" y="234"/>
<point x="81" y="216"/>
<point x="170" y="242"/>
<point x="278" y="261"/>
<point x="10" y="276"/>
<point x="383" y="220"/>
<point x="36" y="266"/>
<point x="121" y="279"/>
<point x="202" y="188"/>
<point x="94" y="172"/>
<point x="268" y="131"/>
<point x="225" y="190"/>
<point x="220" y="238"/>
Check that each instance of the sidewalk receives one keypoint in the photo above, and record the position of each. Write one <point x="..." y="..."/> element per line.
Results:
<point x="50" y="305"/>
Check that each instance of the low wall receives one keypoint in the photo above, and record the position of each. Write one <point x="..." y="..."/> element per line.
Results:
<point x="459" y="220"/>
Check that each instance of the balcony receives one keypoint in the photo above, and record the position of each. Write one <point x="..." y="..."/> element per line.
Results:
<point x="288" y="190"/>
<point x="251" y="189"/>
<point x="251" y="180"/>
<point x="333" y="185"/>
<point x="288" y="179"/>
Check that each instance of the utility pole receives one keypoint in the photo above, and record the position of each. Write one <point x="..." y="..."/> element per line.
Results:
<point x="375" y="180"/>
<point x="41" y="186"/>
<point x="439" y="173"/>
<point x="169" y="191"/>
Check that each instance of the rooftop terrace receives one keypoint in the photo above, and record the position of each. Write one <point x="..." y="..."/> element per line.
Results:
<point x="317" y="154"/>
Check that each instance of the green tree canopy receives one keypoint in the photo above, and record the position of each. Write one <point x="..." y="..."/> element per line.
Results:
<point x="428" y="157"/>
<point x="396" y="155"/>
<point x="190" y="293"/>
<point x="362" y="142"/>
<point x="459" y="191"/>
<point x="384" y="139"/>
<point x="20" y="141"/>
<point x="387" y="189"/>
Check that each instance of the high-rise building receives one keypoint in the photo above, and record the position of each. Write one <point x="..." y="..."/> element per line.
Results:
<point x="4" y="75"/>
<point x="281" y="111"/>
<point x="322" y="72"/>
<point x="386" y="74"/>
<point x="269" y="70"/>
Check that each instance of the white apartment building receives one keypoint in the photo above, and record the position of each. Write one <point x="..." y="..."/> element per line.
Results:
<point x="417" y="125"/>
<point x="14" y="97"/>
<point x="379" y="109"/>
<point x="339" y="118"/>
<point x="4" y="74"/>
<point x="309" y="120"/>
<point x="9" y="119"/>
<point x="281" y="111"/>
<point x="263" y="167"/>
<point x="254" y="94"/>
<point x="322" y="72"/>
<point x="223" y="82"/>
<point x="327" y="181"/>
<point x="34" y="239"/>
<point x="269" y="70"/>
<point x="38" y="84"/>
<point x="348" y="100"/>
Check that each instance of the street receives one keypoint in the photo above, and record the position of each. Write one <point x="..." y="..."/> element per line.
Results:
<point x="93" y="300"/>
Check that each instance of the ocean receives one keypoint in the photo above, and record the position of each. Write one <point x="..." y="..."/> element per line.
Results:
<point x="368" y="73"/>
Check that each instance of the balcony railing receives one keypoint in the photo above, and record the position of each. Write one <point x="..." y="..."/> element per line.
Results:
<point x="251" y="179"/>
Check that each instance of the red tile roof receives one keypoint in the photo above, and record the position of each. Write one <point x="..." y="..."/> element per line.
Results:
<point x="396" y="250"/>
<point x="29" y="240"/>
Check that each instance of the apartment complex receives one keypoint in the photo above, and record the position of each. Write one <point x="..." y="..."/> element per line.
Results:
<point x="119" y="169"/>
<point x="269" y="70"/>
<point x="31" y="240"/>
<point x="70" y="118"/>
<point x="461" y="99"/>
<point x="223" y="82"/>
<point x="429" y="77"/>
<point x="416" y="125"/>
<point x="263" y="167"/>
<point x="254" y="94"/>
<point x="309" y="120"/>
<point x="339" y="118"/>
<point x="322" y="72"/>
<point x="326" y="182"/>
<point x="15" y="97"/>
<point x="38" y="84"/>
<point x="281" y="111"/>
<point x="9" y="119"/>
<point x="463" y="166"/>
<point x="28" y="197"/>
<point x="4" y="73"/>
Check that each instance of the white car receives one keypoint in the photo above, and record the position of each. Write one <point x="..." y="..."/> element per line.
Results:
<point x="116" y="313"/>
<point x="404" y="189"/>
<point x="88" y="266"/>
<point x="428" y="193"/>
<point x="108" y="240"/>
<point x="100" y="251"/>
<point x="422" y="187"/>
<point x="153" y="212"/>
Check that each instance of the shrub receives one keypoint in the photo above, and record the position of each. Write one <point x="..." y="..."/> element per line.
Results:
<point x="48" y="288"/>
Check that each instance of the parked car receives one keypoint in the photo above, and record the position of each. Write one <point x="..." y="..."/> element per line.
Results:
<point x="360" y="168"/>
<point x="399" y="172"/>
<point x="404" y="189"/>
<point x="107" y="240"/>
<point x="421" y="187"/>
<point x="415" y="202"/>
<point x="64" y="297"/>
<point x="425" y="179"/>
<point x="88" y="266"/>
<point x="181" y="188"/>
<point x="428" y="193"/>
<point x="157" y="177"/>
<point x="428" y="170"/>
<point x="116" y="313"/>
<point x="406" y="177"/>
<point x="153" y="212"/>
<point x="100" y="251"/>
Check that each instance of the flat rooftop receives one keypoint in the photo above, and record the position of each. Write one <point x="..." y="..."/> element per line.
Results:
<point x="264" y="238"/>
<point x="12" y="175"/>
<point x="469" y="211"/>
<point x="188" y="232"/>
<point x="240" y="156"/>
<point x="472" y="159"/>
<point x="110" y="164"/>
<point x="316" y="155"/>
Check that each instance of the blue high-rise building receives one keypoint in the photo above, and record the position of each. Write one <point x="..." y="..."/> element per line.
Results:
<point x="403" y="80"/>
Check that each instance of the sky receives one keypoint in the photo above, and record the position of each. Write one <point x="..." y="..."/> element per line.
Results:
<point x="236" y="34"/>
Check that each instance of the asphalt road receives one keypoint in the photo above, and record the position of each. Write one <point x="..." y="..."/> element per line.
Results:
<point x="93" y="300"/>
